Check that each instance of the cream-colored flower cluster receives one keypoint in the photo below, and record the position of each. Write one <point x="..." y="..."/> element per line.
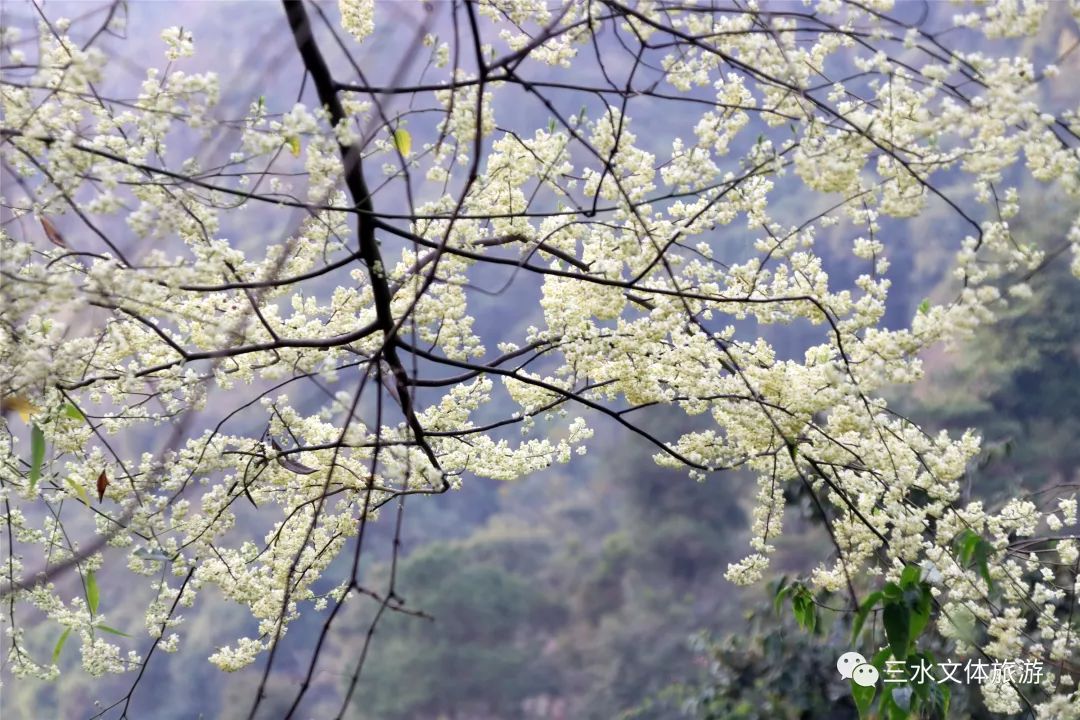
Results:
<point x="358" y="17"/>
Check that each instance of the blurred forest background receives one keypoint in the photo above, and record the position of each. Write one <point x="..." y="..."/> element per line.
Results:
<point x="595" y="591"/>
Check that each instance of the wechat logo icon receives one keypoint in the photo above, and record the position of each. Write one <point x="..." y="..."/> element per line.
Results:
<point x="853" y="666"/>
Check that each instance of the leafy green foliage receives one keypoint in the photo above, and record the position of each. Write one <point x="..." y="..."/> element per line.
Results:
<point x="37" y="454"/>
<point x="864" y="697"/>
<point x="60" y="645"/>
<point x="619" y="584"/>
<point x="865" y="608"/>
<point x="1028" y="405"/>
<point x="905" y="611"/>
<point x="771" y="669"/>
<point x="771" y="672"/>
<point x="478" y="610"/>
<point x="974" y="551"/>
<point x="803" y="606"/>
<point x="93" y="596"/>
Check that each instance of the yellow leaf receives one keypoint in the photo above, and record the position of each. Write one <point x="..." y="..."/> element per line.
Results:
<point x="19" y="404"/>
<point x="80" y="491"/>
<point x="403" y="141"/>
<point x="294" y="145"/>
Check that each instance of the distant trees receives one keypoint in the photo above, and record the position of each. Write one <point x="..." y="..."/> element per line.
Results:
<point x="231" y="414"/>
<point x="1029" y="404"/>
<point x="480" y="611"/>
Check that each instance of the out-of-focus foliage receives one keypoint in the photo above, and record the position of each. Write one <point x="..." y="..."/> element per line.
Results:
<point x="771" y="669"/>
<point x="559" y="603"/>
<point x="1019" y="382"/>
<point x="483" y="649"/>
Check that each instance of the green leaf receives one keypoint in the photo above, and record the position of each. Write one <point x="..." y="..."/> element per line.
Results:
<point x="802" y="604"/>
<point x="921" y="690"/>
<point x="73" y="412"/>
<point x="92" y="594"/>
<point x="968" y="542"/>
<point x="293" y="142"/>
<point x="864" y="698"/>
<point x="892" y="591"/>
<point x="114" y="631"/>
<point x="37" y="454"/>
<point x="910" y="577"/>
<point x="924" y="306"/>
<point x="939" y="700"/>
<point x="403" y="141"/>
<point x="798" y="609"/>
<point x="974" y="549"/>
<point x="920" y="611"/>
<point x="860" y="617"/>
<point x="778" y="601"/>
<point x="897" y="620"/>
<point x="879" y="659"/>
<point x="782" y="590"/>
<point x="889" y="710"/>
<point x="982" y="552"/>
<point x="60" y="645"/>
<point x="80" y="491"/>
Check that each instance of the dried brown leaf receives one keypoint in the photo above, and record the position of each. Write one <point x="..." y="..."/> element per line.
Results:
<point x="102" y="484"/>
<point x="52" y="233"/>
